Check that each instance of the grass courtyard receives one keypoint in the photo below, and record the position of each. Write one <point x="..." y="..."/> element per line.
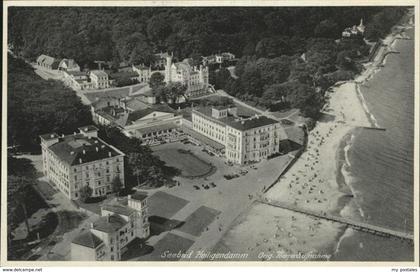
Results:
<point x="186" y="161"/>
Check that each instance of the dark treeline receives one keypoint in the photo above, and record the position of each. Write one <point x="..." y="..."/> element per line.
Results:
<point x="288" y="56"/>
<point x="133" y="34"/>
<point x="36" y="106"/>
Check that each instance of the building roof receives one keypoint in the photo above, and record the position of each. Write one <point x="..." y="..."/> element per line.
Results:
<point x="46" y="59"/>
<point x="76" y="73"/>
<point x="70" y="149"/>
<point x="70" y="63"/>
<point x="124" y="73"/>
<point x="49" y="136"/>
<point x="253" y="122"/>
<point x="87" y="239"/>
<point x="99" y="73"/>
<point x="88" y="128"/>
<point x="118" y="209"/>
<point x="139" y="196"/>
<point x="135" y="115"/>
<point x="241" y="124"/>
<point x="151" y="129"/>
<point x="109" y="223"/>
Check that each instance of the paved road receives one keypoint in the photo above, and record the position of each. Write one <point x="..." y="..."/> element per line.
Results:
<point x="230" y="197"/>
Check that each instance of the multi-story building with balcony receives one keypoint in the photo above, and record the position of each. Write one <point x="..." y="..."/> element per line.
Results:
<point x="245" y="140"/>
<point x="100" y="79"/>
<point x="70" y="162"/>
<point x="107" y="238"/>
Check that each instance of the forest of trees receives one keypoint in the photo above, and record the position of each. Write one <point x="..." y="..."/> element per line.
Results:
<point x="37" y="106"/>
<point x="134" y="34"/>
<point x="287" y="56"/>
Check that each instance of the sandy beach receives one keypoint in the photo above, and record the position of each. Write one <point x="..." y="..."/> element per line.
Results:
<point x="315" y="183"/>
<point x="311" y="184"/>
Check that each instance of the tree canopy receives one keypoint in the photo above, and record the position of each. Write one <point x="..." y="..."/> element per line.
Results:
<point x="134" y="34"/>
<point x="37" y="106"/>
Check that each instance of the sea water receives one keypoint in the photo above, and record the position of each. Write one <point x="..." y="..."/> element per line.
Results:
<point x="379" y="164"/>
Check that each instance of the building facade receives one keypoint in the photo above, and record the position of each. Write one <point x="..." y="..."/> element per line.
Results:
<point x="355" y="31"/>
<point x="68" y="65"/>
<point x="120" y="223"/>
<point x="77" y="80"/>
<point x="73" y="161"/>
<point x="135" y="117"/>
<point x="195" y="78"/>
<point x="143" y="72"/>
<point x="100" y="79"/>
<point x="246" y="140"/>
<point x="47" y="62"/>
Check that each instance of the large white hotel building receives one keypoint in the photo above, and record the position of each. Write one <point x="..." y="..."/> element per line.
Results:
<point x="73" y="161"/>
<point x="245" y="140"/>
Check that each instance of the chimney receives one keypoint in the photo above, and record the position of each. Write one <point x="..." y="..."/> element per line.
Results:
<point x="109" y="154"/>
<point x="80" y="160"/>
<point x="97" y="149"/>
<point x="52" y="136"/>
<point x="84" y="152"/>
<point x="91" y="225"/>
<point x="62" y="135"/>
<point x="129" y="196"/>
<point x="71" y="152"/>
<point x="74" y="133"/>
<point x="102" y="146"/>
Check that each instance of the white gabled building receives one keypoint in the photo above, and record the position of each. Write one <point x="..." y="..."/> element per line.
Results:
<point x="195" y="78"/>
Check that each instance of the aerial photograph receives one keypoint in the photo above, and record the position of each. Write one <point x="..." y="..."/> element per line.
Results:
<point x="210" y="134"/>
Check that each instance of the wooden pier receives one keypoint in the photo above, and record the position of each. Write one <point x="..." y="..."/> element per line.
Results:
<point x="374" y="128"/>
<point x="360" y="226"/>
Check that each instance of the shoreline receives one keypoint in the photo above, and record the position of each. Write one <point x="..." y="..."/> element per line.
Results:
<point x="311" y="185"/>
<point x="342" y="163"/>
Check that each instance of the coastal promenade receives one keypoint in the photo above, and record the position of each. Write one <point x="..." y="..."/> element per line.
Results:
<point x="361" y="226"/>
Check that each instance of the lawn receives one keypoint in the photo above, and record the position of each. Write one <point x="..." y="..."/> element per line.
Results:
<point x="199" y="220"/>
<point x="171" y="243"/>
<point x="184" y="160"/>
<point x="165" y="205"/>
